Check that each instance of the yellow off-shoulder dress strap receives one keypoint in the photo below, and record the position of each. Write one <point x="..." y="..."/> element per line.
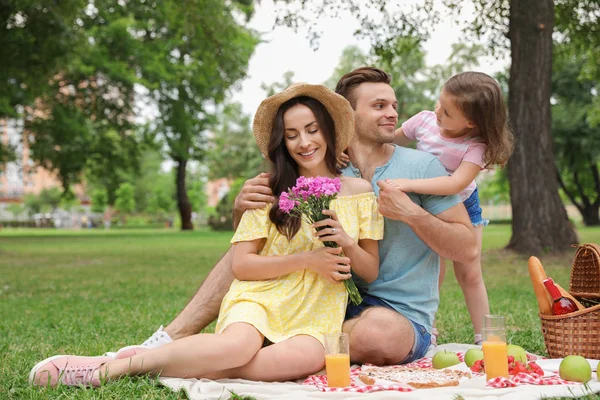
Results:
<point x="254" y="224"/>
<point x="369" y="219"/>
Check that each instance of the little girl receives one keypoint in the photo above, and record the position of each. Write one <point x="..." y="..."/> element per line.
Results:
<point x="467" y="132"/>
<point x="288" y="291"/>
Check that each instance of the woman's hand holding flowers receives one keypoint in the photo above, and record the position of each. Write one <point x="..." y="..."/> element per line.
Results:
<point x="331" y="230"/>
<point x="327" y="262"/>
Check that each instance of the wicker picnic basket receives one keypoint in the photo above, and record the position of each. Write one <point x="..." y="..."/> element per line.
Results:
<point x="578" y="332"/>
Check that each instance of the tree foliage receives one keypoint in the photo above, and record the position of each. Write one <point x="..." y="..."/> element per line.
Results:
<point x="523" y="26"/>
<point x="125" y="202"/>
<point x="206" y="52"/>
<point x="232" y="151"/>
<point x="95" y="62"/>
<point x="416" y="85"/>
<point x="99" y="200"/>
<point x="36" y="38"/>
<point x="577" y="140"/>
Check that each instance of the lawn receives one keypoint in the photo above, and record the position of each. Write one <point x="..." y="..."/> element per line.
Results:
<point x="89" y="291"/>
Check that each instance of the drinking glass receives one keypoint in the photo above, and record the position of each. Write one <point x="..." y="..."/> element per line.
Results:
<point x="495" y="358"/>
<point x="337" y="359"/>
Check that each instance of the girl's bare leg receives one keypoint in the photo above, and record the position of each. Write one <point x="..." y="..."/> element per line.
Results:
<point x="470" y="278"/>
<point x="294" y="358"/>
<point x="193" y="356"/>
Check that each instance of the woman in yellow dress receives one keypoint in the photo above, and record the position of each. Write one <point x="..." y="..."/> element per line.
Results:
<point x="288" y="290"/>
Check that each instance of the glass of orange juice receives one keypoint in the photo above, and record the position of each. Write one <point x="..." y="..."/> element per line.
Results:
<point x="337" y="359"/>
<point x="495" y="358"/>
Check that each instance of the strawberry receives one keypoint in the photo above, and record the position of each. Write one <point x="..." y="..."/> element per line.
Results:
<point x="478" y="366"/>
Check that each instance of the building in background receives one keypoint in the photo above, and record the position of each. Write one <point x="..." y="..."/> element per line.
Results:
<point x="216" y="190"/>
<point x="21" y="177"/>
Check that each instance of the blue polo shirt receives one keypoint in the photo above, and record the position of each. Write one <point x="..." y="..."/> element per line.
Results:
<point x="408" y="268"/>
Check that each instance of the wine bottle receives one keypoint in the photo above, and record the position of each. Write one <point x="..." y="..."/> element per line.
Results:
<point x="560" y="304"/>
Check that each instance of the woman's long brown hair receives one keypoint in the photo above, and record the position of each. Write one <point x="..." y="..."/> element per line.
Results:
<point x="284" y="169"/>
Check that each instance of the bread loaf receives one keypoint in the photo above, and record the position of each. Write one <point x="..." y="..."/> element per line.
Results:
<point x="537" y="275"/>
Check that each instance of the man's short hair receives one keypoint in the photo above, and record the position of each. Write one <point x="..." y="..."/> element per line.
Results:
<point x="352" y="79"/>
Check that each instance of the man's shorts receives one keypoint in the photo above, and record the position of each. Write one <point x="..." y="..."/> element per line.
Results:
<point x="422" y="337"/>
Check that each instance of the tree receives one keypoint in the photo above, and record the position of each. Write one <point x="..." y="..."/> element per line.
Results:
<point x="84" y="119"/>
<point x="495" y="188"/>
<point x="32" y="204"/>
<point x="577" y="141"/>
<point x="540" y="221"/>
<point x="352" y="57"/>
<point x="207" y="51"/>
<point x="35" y="38"/>
<point x="15" y="209"/>
<point x="539" y="218"/>
<point x="198" y="198"/>
<point x="47" y="200"/>
<point x="579" y="25"/>
<point x="99" y="200"/>
<point x="232" y="150"/>
<point x="125" y="202"/>
<point x="51" y="198"/>
<point x="187" y="55"/>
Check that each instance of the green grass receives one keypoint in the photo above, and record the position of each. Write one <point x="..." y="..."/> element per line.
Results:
<point x="89" y="291"/>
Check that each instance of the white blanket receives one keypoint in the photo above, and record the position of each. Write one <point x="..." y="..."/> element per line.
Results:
<point x="205" y="389"/>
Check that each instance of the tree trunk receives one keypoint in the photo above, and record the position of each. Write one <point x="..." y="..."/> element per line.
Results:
<point x="590" y="215"/>
<point x="539" y="219"/>
<point x="185" y="208"/>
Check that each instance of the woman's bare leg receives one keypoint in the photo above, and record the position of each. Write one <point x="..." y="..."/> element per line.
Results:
<point x="193" y="356"/>
<point x="291" y="359"/>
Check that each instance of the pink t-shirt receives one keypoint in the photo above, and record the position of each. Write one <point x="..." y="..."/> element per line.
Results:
<point x="451" y="152"/>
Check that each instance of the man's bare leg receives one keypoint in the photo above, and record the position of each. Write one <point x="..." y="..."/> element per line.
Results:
<point x="204" y="307"/>
<point x="379" y="336"/>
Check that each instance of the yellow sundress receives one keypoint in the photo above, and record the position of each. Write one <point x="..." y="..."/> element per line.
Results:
<point x="303" y="302"/>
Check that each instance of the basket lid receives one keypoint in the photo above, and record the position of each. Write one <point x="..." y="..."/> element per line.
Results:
<point x="585" y="273"/>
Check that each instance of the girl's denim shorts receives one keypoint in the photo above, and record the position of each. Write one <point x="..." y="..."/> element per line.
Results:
<point x="474" y="209"/>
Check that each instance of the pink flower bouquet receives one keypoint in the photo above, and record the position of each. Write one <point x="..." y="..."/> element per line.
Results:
<point x="307" y="200"/>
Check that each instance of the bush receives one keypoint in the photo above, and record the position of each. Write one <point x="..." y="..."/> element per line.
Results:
<point x="25" y="224"/>
<point x="222" y="220"/>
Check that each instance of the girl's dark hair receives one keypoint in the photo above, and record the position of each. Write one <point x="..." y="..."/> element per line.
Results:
<point x="480" y="99"/>
<point x="284" y="170"/>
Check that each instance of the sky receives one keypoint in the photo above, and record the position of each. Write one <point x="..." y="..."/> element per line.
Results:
<point x="283" y="50"/>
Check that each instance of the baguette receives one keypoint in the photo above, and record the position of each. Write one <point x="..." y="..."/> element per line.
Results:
<point x="568" y="295"/>
<point x="537" y="275"/>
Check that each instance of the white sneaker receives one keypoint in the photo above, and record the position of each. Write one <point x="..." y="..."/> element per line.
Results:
<point x="158" y="338"/>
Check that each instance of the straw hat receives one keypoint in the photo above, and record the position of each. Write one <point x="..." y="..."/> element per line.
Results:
<point x="338" y="107"/>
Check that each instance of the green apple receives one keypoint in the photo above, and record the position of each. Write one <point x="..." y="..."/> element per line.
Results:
<point x="473" y="355"/>
<point x="575" y="369"/>
<point x="517" y="352"/>
<point x="443" y="359"/>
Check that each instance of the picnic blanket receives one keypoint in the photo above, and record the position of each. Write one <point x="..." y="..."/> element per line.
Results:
<point x="476" y="388"/>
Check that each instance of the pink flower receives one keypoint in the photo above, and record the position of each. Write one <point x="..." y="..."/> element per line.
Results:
<point x="309" y="195"/>
<point x="285" y="203"/>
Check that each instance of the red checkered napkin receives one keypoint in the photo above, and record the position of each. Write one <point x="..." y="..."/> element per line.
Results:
<point x="426" y="362"/>
<point x="527" y="379"/>
<point x="320" y="381"/>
